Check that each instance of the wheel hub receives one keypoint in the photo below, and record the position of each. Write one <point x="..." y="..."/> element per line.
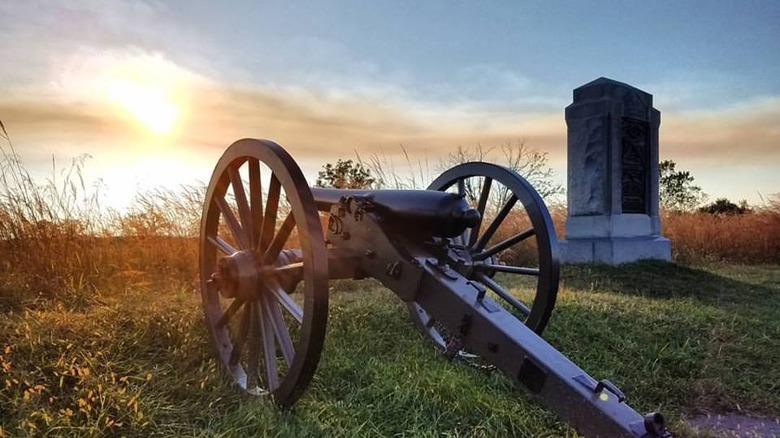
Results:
<point x="239" y="276"/>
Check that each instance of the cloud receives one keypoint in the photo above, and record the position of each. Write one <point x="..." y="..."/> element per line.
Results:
<point x="69" y="115"/>
<point x="744" y="133"/>
<point x="40" y="33"/>
<point x="340" y="102"/>
<point x="322" y="124"/>
<point x="317" y="125"/>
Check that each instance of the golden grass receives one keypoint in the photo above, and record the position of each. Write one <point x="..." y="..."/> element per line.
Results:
<point x="56" y="240"/>
<point x="752" y="238"/>
<point x="748" y="239"/>
<point x="90" y="351"/>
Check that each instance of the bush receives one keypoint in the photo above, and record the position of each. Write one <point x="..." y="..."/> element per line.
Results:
<point x="724" y="206"/>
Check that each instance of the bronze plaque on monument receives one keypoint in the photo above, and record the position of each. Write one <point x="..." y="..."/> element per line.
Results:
<point x="635" y="165"/>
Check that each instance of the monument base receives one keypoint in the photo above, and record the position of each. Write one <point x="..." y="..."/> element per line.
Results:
<point x="614" y="251"/>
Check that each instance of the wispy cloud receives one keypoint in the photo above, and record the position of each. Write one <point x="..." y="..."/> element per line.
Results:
<point x="324" y="124"/>
<point x="69" y="114"/>
<point x="746" y="132"/>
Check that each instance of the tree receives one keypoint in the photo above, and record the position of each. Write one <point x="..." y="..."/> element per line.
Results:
<point x="724" y="206"/>
<point x="345" y="175"/>
<point x="528" y="162"/>
<point x="676" y="189"/>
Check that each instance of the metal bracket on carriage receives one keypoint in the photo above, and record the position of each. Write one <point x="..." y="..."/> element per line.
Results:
<point x="356" y="225"/>
<point x="347" y="205"/>
<point x="442" y="267"/>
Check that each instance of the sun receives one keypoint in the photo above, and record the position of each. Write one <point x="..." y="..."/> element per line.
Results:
<point x="149" y="104"/>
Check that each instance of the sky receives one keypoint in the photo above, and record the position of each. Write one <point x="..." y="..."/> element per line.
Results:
<point x="154" y="91"/>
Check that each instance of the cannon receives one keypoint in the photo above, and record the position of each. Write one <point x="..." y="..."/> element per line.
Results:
<point x="269" y="244"/>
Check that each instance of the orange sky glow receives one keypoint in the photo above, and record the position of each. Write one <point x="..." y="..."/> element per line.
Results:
<point x="148" y="120"/>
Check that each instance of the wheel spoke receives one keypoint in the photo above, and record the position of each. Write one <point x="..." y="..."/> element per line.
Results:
<point x="461" y="190"/>
<point x="481" y="205"/>
<point x="286" y="301"/>
<point x="256" y="198"/>
<point x="229" y="312"/>
<point x="503" y="293"/>
<point x="222" y="245"/>
<point x="269" y="347"/>
<point x="212" y="286"/>
<point x="517" y="238"/>
<point x="503" y="199"/>
<point x="241" y="201"/>
<point x="437" y="337"/>
<point x="491" y="229"/>
<point x="280" y="329"/>
<point x="232" y="222"/>
<point x="297" y="266"/>
<point x="280" y="239"/>
<point x="243" y="332"/>
<point x="429" y="325"/>
<point x="253" y="355"/>
<point x="271" y="207"/>
<point x="509" y="269"/>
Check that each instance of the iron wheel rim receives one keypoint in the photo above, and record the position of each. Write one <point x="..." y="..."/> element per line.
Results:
<point x="542" y="228"/>
<point x="250" y="235"/>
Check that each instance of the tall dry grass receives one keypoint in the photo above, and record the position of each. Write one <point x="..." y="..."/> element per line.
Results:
<point x="57" y="240"/>
<point x="697" y="238"/>
<point x="751" y="238"/>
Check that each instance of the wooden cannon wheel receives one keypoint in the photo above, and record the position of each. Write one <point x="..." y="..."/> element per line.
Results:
<point x="514" y="244"/>
<point x="268" y="338"/>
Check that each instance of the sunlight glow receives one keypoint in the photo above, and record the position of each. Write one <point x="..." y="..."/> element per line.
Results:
<point x="148" y="104"/>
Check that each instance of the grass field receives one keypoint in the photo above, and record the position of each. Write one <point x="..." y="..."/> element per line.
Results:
<point x="137" y="362"/>
<point x="101" y="332"/>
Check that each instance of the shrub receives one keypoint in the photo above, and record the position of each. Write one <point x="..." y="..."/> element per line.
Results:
<point x="724" y="206"/>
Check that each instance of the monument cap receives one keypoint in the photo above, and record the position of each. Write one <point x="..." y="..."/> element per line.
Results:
<point x="605" y="87"/>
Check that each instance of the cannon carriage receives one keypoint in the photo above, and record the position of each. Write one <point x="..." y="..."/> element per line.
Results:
<point x="269" y="245"/>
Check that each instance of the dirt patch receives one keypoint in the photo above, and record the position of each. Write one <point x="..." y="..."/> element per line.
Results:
<point x="738" y="426"/>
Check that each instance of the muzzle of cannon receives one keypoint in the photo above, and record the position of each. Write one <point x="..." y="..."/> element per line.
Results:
<point x="269" y="244"/>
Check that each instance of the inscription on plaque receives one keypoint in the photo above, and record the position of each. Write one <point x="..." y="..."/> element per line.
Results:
<point x="635" y="165"/>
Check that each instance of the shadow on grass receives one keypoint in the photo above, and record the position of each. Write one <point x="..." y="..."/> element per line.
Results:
<point x="700" y="340"/>
<point x="377" y="369"/>
<point x="655" y="279"/>
<point x="676" y="339"/>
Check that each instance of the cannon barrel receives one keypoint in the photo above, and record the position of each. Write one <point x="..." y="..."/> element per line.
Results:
<point x="431" y="212"/>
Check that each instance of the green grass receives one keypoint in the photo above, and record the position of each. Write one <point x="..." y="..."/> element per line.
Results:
<point x="137" y="361"/>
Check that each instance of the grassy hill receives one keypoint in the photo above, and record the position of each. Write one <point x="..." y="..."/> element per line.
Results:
<point x="134" y="359"/>
<point x="101" y="331"/>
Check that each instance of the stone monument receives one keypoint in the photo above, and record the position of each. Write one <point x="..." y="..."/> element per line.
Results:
<point x="612" y="176"/>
